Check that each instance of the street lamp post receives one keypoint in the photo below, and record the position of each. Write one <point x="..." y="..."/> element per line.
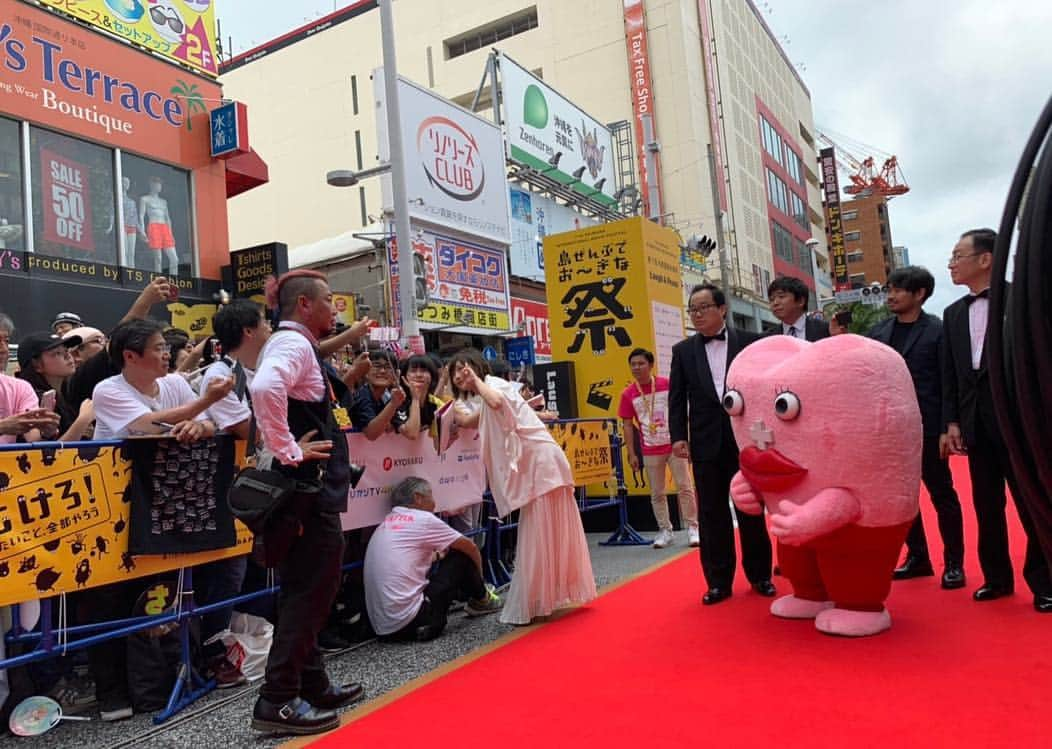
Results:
<point x="407" y="305"/>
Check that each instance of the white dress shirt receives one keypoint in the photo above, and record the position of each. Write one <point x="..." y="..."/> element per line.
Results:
<point x="716" y="353"/>
<point x="288" y="368"/>
<point x="978" y="315"/>
<point x="799" y="328"/>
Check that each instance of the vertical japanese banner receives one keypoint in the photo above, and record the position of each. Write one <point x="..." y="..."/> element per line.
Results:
<point x="834" y="227"/>
<point x="611" y="289"/>
<point x="65" y="199"/>
<point x="642" y="85"/>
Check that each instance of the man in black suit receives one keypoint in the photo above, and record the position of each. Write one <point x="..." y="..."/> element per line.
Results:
<point x="917" y="336"/>
<point x="788" y="297"/>
<point x="698" y="373"/>
<point x="972" y="428"/>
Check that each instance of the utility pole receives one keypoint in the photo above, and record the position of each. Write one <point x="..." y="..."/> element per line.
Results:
<point x="720" y="246"/>
<point x="407" y="305"/>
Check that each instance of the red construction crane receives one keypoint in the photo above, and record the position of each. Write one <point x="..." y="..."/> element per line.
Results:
<point x="862" y="170"/>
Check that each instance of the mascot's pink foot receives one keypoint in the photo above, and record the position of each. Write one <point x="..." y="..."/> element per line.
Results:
<point x="849" y="623"/>
<point x="791" y="607"/>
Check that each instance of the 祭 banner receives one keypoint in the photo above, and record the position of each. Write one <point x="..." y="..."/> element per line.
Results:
<point x="67" y="210"/>
<point x="587" y="447"/>
<point x="65" y="524"/>
<point x="181" y="31"/>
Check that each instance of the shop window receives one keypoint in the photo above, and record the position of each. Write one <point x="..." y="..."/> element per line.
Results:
<point x="12" y="213"/>
<point x="157" y="232"/>
<point x="73" y="204"/>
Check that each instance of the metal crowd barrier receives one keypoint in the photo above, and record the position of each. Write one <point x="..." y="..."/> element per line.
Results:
<point x="190" y="686"/>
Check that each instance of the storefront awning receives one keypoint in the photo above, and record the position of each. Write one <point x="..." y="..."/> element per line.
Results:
<point x="244" y="172"/>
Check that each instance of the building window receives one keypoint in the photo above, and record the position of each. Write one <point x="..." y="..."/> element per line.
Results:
<point x="783" y="240"/>
<point x="772" y="141"/>
<point x="799" y="211"/>
<point x="491" y="33"/>
<point x="855" y="257"/>
<point x="74" y="210"/>
<point x="858" y="280"/>
<point x="804" y="253"/>
<point x="852" y="236"/>
<point x="777" y="192"/>
<point x="756" y="279"/>
<point x="12" y="210"/>
<point x="793" y="165"/>
<point x="157" y="197"/>
<point x="849" y="215"/>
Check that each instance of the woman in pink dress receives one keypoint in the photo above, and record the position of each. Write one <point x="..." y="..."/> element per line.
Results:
<point x="527" y="472"/>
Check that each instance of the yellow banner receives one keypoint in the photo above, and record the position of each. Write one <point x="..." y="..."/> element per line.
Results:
<point x="587" y="447"/>
<point x="346" y="308"/>
<point x="195" y="319"/>
<point x="184" y="31"/>
<point x="64" y="525"/>
<point x="451" y="314"/>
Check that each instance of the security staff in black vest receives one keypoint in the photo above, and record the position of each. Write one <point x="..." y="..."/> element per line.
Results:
<point x="297" y="408"/>
<point x="917" y="336"/>
<point x="972" y="428"/>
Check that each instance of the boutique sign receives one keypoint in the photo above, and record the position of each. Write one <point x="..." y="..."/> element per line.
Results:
<point x="58" y="74"/>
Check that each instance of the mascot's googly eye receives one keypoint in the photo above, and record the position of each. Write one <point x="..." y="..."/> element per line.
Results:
<point x="733" y="403"/>
<point x="787" y="406"/>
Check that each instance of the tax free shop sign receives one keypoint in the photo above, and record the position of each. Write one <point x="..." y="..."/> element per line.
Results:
<point x="60" y="75"/>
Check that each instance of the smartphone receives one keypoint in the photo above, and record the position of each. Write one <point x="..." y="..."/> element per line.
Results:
<point x="47" y="400"/>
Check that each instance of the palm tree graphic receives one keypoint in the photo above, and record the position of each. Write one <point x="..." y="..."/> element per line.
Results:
<point x="194" y="101"/>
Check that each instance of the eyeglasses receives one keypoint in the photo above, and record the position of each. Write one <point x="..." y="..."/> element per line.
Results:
<point x="161" y="18"/>
<point x="381" y="366"/>
<point x="162" y="348"/>
<point x="700" y="309"/>
<point x="957" y="257"/>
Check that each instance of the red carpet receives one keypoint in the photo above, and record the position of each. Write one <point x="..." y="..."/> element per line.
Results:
<point x="647" y="665"/>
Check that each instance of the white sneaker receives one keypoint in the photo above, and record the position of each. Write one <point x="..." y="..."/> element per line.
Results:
<point x="692" y="534"/>
<point x="664" y="538"/>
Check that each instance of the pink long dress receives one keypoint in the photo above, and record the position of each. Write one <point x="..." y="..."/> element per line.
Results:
<point x="528" y="472"/>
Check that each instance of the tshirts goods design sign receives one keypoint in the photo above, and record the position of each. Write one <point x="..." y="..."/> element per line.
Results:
<point x="454" y="163"/>
<point x="181" y="30"/>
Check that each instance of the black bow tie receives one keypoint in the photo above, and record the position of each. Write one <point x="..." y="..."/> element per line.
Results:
<point x="721" y="336"/>
<point x="984" y="294"/>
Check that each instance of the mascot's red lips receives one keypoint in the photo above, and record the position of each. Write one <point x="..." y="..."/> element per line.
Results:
<point x="769" y="470"/>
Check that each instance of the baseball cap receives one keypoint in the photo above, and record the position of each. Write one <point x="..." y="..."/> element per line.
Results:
<point x="85" y="333"/>
<point x="70" y="317"/>
<point x="35" y="344"/>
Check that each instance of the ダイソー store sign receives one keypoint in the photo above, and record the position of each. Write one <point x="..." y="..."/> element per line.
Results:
<point x="67" y="211"/>
<point x="60" y="75"/>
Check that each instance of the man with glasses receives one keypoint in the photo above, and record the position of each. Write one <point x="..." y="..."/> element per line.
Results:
<point x="701" y="430"/>
<point x="376" y="403"/>
<point x="971" y="424"/>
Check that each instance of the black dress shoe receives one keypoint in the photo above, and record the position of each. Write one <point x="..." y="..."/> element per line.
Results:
<point x="953" y="577"/>
<point x="765" y="588"/>
<point x="913" y="567"/>
<point x="296" y="716"/>
<point x="1043" y="604"/>
<point x="336" y="697"/>
<point x="991" y="592"/>
<point x="715" y="595"/>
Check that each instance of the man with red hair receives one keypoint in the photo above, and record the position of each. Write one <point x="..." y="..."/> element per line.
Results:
<point x="297" y="407"/>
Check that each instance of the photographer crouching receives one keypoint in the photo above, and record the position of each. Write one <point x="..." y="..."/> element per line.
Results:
<point x="298" y="412"/>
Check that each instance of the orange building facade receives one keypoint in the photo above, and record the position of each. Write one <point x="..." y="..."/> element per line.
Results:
<point x="867" y="240"/>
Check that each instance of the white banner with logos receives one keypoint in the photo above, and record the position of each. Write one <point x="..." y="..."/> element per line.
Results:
<point x="533" y="217"/>
<point x="542" y="123"/>
<point x="454" y="162"/>
<point x="457" y="477"/>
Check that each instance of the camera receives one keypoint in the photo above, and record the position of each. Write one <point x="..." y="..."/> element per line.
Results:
<point x="356" y="474"/>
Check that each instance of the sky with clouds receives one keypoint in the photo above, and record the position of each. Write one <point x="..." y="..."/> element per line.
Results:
<point x="952" y="88"/>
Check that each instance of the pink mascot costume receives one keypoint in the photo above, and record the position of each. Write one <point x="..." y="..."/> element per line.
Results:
<point x="831" y="445"/>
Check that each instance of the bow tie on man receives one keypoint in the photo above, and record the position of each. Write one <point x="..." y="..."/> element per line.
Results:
<point x="721" y="336"/>
<point x="984" y="294"/>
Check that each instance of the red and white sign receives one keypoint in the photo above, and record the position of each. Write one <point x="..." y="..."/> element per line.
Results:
<point x="65" y="196"/>
<point x="642" y="92"/>
<point x="532" y="317"/>
<point x="450" y="157"/>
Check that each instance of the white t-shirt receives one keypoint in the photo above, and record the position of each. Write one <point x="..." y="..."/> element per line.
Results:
<point x="396" y="564"/>
<point x="229" y="411"/>
<point x="118" y="404"/>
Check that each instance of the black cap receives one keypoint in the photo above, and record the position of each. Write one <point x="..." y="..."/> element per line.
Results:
<point x="71" y="317"/>
<point x="35" y="344"/>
